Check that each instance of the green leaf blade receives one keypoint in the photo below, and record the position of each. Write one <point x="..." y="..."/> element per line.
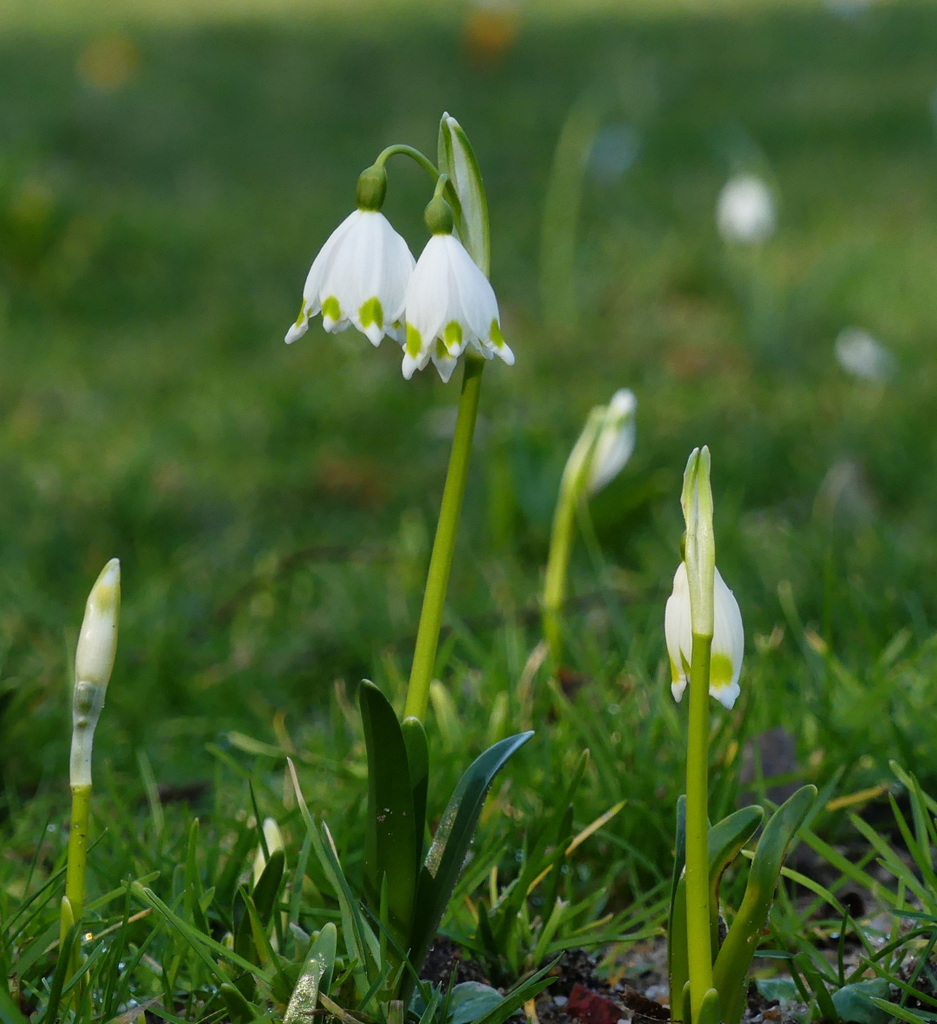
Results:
<point x="390" y="841"/>
<point x="452" y="840"/>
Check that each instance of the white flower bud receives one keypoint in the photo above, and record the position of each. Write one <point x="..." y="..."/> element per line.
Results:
<point x="614" y="444"/>
<point x="97" y="642"/>
<point x="273" y="837"/>
<point x="728" y="646"/>
<point x="94" y="660"/>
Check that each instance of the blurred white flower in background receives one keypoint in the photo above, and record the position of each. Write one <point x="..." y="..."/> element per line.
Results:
<point x="614" y="443"/>
<point x="861" y="356"/>
<point x="746" y="211"/>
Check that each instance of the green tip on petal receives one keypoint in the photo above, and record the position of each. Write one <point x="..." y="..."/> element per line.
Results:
<point x="441" y="351"/>
<point x="331" y="310"/>
<point x="372" y="312"/>
<point x="721" y="671"/>
<point x="453" y="335"/>
<point x="414" y="342"/>
<point x="497" y="338"/>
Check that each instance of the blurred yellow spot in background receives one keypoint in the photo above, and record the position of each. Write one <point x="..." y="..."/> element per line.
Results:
<point x="108" y="62"/>
<point x="490" y="31"/>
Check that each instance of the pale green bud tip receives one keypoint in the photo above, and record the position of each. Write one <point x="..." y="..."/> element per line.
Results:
<point x="273" y="838"/>
<point x="371" y="189"/>
<point x="438" y="216"/>
<point x="97" y="642"/>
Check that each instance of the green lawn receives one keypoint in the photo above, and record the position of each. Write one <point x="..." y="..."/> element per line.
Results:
<point x="166" y="175"/>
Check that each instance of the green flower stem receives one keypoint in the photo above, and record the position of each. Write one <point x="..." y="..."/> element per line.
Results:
<point x="554" y="581"/>
<point x="78" y="849"/>
<point x="443" y="183"/>
<point x="699" y="940"/>
<point x="74" y="902"/>
<point x="437" y="579"/>
<point x="414" y="154"/>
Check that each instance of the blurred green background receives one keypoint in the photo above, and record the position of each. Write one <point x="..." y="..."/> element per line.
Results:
<point x="167" y="173"/>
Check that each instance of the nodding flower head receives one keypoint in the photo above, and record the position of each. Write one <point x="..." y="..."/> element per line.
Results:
<point x="450" y="308"/>
<point x="728" y="644"/>
<point x="358" y="279"/>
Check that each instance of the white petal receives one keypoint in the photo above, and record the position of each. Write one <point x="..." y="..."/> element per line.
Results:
<point x="312" y="290"/>
<point x="727" y="695"/>
<point x="445" y="364"/>
<point x="428" y="293"/>
<point x="506" y="354"/>
<point x="473" y="300"/>
<point x="378" y="268"/>
<point x="408" y="366"/>
<point x="297" y="330"/>
<point x="728" y="639"/>
<point x="678" y="632"/>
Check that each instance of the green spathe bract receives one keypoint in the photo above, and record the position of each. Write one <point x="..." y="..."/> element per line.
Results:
<point x="457" y="160"/>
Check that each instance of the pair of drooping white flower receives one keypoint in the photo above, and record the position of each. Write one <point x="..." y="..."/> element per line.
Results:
<point x="365" y="276"/>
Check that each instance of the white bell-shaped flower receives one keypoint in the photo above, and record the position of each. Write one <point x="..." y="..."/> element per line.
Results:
<point x="614" y="444"/>
<point x="358" y="279"/>
<point x="450" y="306"/>
<point x="746" y="211"/>
<point x="361" y="274"/>
<point x="728" y="644"/>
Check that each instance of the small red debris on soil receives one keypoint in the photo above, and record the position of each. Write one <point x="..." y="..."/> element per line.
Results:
<point x="591" y="1008"/>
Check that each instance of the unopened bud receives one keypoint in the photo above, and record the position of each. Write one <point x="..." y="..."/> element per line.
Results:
<point x="273" y="838"/>
<point x="97" y="642"/>
<point x="94" y="660"/>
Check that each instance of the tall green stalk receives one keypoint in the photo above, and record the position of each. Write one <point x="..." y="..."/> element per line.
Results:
<point x="700" y="557"/>
<point x="78" y="851"/>
<point x="94" y="661"/>
<point x="554" y="581"/>
<point x="699" y="940"/>
<point x="437" y="579"/>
